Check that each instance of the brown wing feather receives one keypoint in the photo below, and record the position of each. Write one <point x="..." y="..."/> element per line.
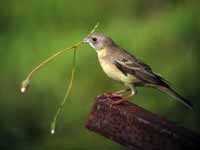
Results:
<point x="129" y="64"/>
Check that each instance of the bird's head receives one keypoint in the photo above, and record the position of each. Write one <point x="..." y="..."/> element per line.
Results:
<point x="98" y="41"/>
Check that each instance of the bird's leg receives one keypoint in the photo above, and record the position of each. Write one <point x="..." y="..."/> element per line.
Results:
<point x="125" y="99"/>
<point x="117" y="93"/>
<point x="121" y="92"/>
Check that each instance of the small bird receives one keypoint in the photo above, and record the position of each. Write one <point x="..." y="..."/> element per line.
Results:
<point x="124" y="67"/>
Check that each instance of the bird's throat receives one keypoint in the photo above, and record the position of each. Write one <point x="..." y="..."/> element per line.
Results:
<point x="102" y="53"/>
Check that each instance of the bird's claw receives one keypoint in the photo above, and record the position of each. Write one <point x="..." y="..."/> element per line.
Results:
<point x="112" y="95"/>
<point x="117" y="94"/>
<point x="119" y="102"/>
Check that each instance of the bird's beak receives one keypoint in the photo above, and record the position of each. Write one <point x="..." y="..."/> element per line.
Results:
<point x="86" y="40"/>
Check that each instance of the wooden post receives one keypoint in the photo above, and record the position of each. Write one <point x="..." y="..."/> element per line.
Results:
<point x="138" y="129"/>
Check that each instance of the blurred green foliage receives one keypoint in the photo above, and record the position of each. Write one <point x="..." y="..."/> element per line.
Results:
<point x="165" y="34"/>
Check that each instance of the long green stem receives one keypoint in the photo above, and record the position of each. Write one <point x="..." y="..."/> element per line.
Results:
<point x="26" y="82"/>
<point x="53" y="124"/>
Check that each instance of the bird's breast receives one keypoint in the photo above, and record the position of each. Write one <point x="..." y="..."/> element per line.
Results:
<point x="111" y="70"/>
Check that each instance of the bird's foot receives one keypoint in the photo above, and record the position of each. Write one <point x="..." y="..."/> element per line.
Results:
<point x="120" y="101"/>
<point x="109" y="95"/>
<point x="123" y="100"/>
<point x="116" y="98"/>
<point x="117" y="94"/>
<point x="113" y="95"/>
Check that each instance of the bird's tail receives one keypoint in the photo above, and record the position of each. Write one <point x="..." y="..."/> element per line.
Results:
<point x="177" y="96"/>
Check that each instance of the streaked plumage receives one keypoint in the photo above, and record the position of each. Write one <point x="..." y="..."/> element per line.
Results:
<point x="124" y="67"/>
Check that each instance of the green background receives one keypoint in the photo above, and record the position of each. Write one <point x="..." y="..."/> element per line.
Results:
<point x="164" y="34"/>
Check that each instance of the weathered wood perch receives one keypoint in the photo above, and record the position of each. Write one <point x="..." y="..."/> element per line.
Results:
<point x="138" y="129"/>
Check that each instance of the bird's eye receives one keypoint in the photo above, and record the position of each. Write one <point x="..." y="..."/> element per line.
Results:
<point x="94" y="39"/>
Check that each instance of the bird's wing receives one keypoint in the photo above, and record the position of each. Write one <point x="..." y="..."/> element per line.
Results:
<point x="129" y="64"/>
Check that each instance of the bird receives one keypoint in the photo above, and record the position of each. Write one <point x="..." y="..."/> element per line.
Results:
<point x="124" y="67"/>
